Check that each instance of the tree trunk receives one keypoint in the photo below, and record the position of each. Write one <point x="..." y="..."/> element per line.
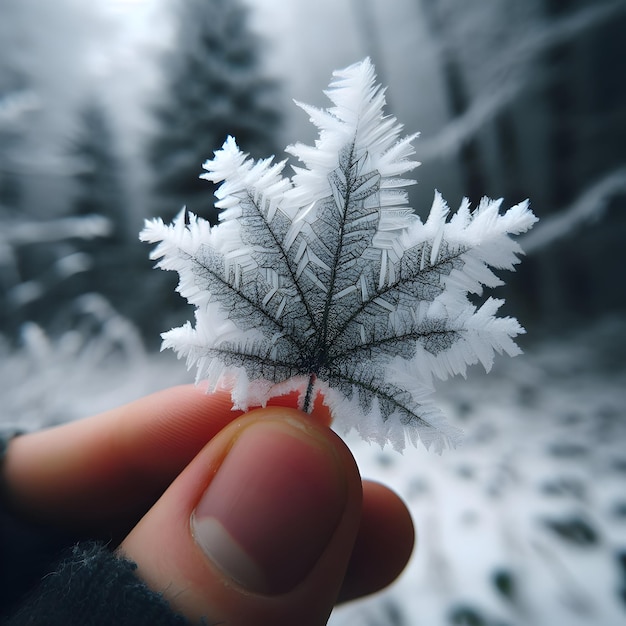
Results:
<point x="474" y="184"/>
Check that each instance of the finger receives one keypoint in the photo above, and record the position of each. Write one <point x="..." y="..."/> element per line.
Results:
<point x="258" y="528"/>
<point x="114" y="465"/>
<point x="384" y="543"/>
<point x="104" y="472"/>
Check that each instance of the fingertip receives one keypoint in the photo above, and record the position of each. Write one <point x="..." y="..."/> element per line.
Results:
<point x="384" y="543"/>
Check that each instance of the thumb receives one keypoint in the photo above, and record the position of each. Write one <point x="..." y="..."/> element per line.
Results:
<point x="258" y="528"/>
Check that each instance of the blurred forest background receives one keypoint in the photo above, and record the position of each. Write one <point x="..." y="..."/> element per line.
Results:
<point x="108" y="110"/>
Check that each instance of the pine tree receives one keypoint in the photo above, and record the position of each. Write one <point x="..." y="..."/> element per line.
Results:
<point x="14" y="96"/>
<point x="98" y="171"/>
<point x="99" y="191"/>
<point x="214" y="88"/>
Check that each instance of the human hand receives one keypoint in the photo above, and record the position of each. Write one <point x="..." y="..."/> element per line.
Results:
<point x="257" y="518"/>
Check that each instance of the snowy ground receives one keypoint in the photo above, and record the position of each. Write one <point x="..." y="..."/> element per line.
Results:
<point x="526" y="523"/>
<point x="523" y="525"/>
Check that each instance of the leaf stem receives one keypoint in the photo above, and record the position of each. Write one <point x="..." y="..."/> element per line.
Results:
<point x="307" y="405"/>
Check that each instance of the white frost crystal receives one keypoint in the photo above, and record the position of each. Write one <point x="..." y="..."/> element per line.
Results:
<point x="328" y="282"/>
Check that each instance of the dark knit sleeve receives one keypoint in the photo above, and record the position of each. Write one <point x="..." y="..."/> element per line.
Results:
<point x="50" y="578"/>
<point x="93" y="587"/>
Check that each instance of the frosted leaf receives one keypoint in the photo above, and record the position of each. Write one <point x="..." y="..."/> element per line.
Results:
<point x="327" y="282"/>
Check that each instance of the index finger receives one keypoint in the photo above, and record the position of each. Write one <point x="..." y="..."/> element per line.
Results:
<point x="92" y="473"/>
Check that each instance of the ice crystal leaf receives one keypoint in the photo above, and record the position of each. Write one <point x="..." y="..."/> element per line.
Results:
<point x="328" y="282"/>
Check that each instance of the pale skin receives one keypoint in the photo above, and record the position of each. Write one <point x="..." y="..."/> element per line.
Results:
<point x="139" y="471"/>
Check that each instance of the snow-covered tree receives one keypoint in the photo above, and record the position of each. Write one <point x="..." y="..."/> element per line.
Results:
<point x="99" y="190"/>
<point x="537" y="109"/>
<point x="15" y="102"/>
<point x="44" y="65"/>
<point x="98" y="170"/>
<point x="214" y="86"/>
